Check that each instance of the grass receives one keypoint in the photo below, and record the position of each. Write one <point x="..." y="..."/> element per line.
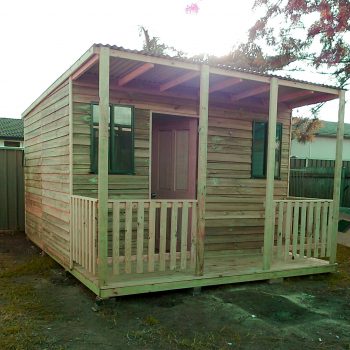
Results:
<point x="21" y="310"/>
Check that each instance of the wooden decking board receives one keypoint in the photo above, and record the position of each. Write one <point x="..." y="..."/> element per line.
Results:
<point x="224" y="270"/>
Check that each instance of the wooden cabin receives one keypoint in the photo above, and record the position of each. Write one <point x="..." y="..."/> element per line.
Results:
<point x="146" y="173"/>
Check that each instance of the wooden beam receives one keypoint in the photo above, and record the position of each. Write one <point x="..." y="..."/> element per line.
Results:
<point x="177" y="81"/>
<point x="150" y="59"/>
<point x="308" y="86"/>
<point x="251" y="92"/>
<point x="337" y="176"/>
<point x="240" y="75"/>
<point x="202" y="166"/>
<point x="103" y="166"/>
<point x="224" y="84"/>
<point x="316" y="98"/>
<point x="70" y="117"/>
<point x="85" y="67"/>
<point x="135" y="73"/>
<point x="294" y="95"/>
<point x="269" y="224"/>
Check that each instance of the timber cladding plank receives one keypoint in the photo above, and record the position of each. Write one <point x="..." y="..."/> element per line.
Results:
<point x="234" y="209"/>
<point x="46" y="137"/>
<point x="84" y="183"/>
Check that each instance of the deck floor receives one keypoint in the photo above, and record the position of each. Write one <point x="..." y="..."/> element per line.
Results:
<point x="218" y="269"/>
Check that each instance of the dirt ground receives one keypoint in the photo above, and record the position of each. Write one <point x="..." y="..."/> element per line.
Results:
<point x="41" y="307"/>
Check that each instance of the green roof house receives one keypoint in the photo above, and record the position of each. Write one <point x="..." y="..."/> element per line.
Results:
<point x="324" y="144"/>
<point x="11" y="132"/>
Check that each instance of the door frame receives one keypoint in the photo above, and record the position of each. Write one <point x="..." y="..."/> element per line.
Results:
<point x="152" y="112"/>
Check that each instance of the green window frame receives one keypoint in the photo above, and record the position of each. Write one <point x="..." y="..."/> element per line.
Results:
<point x="120" y="142"/>
<point x="259" y="150"/>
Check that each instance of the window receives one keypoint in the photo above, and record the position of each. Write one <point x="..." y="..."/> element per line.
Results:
<point x="12" y="144"/>
<point x="259" y="149"/>
<point x="121" y="139"/>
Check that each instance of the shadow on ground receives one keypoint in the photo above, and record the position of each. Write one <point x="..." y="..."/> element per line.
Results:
<point x="41" y="307"/>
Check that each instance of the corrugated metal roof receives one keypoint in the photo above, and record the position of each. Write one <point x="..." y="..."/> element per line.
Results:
<point x="11" y="128"/>
<point x="222" y="66"/>
<point x="330" y="129"/>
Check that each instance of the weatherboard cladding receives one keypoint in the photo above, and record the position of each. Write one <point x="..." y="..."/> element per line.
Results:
<point x="11" y="128"/>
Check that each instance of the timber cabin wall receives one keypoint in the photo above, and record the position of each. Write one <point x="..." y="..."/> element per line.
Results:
<point x="47" y="208"/>
<point x="120" y="186"/>
<point x="230" y="189"/>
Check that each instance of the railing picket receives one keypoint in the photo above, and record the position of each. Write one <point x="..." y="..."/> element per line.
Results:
<point x="173" y="235"/>
<point x="80" y="232"/>
<point x="324" y="229"/>
<point x="74" y="230"/>
<point x="193" y="233"/>
<point x="310" y="222"/>
<point x="94" y="238"/>
<point x="89" y="240"/>
<point x="287" y="230"/>
<point x="184" y="229"/>
<point x="128" y="236"/>
<point x="317" y="228"/>
<point x="115" y="237"/>
<point x="302" y="229"/>
<point x="140" y="235"/>
<point x="280" y="229"/>
<point x="151" y="235"/>
<point x="295" y="229"/>
<point x="162" y="234"/>
<point x="86" y="247"/>
<point x="330" y="229"/>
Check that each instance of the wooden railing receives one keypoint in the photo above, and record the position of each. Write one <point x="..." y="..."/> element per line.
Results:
<point x="84" y="232"/>
<point x="151" y="235"/>
<point x="303" y="228"/>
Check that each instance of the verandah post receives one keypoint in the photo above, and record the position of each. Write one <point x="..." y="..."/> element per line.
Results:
<point x="202" y="166"/>
<point x="103" y="164"/>
<point x="270" y="175"/>
<point x="337" y="176"/>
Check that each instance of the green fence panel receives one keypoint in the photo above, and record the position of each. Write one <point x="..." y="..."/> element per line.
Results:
<point x="314" y="178"/>
<point x="11" y="189"/>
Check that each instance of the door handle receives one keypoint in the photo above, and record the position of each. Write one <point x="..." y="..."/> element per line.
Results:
<point x="153" y="195"/>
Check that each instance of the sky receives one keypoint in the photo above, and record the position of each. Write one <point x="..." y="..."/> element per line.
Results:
<point x="42" y="39"/>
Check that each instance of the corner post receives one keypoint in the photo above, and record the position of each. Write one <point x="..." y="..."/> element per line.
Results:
<point x="270" y="175"/>
<point x="202" y="166"/>
<point x="71" y="233"/>
<point x="103" y="164"/>
<point x="337" y="176"/>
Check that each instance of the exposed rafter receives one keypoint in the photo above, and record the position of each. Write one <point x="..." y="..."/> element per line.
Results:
<point x="135" y="73"/>
<point x="317" y="98"/>
<point x="251" y="92"/>
<point x="85" y="67"/>
<point x="177" y="81"/>
<point x="295" y="95"/>
<point x="224" y="84"/>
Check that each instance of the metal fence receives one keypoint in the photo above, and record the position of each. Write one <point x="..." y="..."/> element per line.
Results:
<point x="11" y="189"/>
<point x="314" y="178"/>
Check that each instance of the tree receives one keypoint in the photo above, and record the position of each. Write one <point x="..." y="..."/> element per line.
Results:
<point x="248" y="56"/>
<point x="153" y="45"/>
<point x="313" y="31"/>
<point x="304" y="129"/>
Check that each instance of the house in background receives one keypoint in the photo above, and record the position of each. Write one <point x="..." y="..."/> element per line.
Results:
<point x="324" y="144"/>
<point x="11" y="132"/>
<point x="147" y="173"/>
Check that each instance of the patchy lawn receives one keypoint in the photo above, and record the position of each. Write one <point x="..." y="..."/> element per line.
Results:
<point x="43" y="308"/>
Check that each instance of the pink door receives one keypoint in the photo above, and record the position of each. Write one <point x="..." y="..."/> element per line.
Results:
<point x="174" y="157"/>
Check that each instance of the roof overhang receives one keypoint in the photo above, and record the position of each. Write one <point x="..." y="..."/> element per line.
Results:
<point x="139" y="72"/>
